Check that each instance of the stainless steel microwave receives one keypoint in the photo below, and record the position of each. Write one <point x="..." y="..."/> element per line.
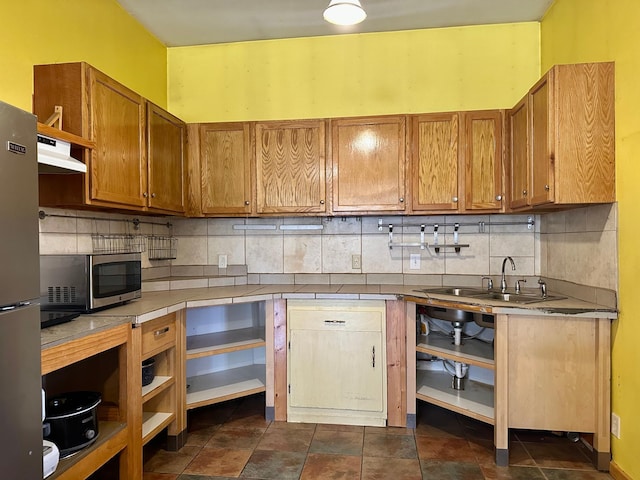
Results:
<point x="89" y="282"/>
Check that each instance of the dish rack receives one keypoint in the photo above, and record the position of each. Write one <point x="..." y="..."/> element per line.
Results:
<point x="162" y="248"/>
<point x="118" y="243"/>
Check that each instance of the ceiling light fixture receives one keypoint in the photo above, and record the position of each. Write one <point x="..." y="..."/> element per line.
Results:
<point x="344" y="12"/>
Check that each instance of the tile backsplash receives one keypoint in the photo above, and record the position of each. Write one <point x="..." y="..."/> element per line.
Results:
<point x="576" y="246"/>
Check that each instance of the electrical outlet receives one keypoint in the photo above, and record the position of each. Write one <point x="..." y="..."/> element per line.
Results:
<point x="414" y="261"/>
<point x="615" y="425"/>
<point x="222" y="261"/>
<point x="356" y="261"/>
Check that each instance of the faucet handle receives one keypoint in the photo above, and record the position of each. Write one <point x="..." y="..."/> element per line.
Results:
<point x="518" y="288"/>
<point x="543" y="287"/>
<point x="489" y="282"/>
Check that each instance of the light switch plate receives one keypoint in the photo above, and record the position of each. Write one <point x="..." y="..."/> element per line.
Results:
<point x="222" y="261"/>
<point x="615" y="425"/>
<point x="414" y="261"/>
<point x="356" y="261"/>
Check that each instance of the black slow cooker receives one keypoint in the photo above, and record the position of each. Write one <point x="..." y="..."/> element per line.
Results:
<point x="73" y="421"/>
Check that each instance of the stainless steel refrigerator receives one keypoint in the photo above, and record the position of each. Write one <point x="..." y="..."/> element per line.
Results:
<point x="20" y="379"/>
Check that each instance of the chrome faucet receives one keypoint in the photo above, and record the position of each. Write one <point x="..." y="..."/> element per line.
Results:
<point x="503" y="282"/>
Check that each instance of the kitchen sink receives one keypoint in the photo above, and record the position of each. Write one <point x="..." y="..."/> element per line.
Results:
<point x="482" y="294"/>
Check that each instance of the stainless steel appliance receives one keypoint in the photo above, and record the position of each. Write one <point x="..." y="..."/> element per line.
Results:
<point x="89" y="282"/>
<point x="21" y="397"/>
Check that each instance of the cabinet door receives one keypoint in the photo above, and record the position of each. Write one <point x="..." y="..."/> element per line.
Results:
<point x="336" y="370"/>
<point x="434" y="164"/>
<point x="481" y="139"/>
<point x="118" y="163"/>
<point x="519" y="154"/>
<point x="368" y="164"/>
<point x="166" y="143"/>
<point x="290" y="167"/>
<point x="542" y="136"/>
<point x="225" y="162"/>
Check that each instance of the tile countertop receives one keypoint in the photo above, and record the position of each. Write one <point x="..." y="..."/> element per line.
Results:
<point x="156" y="304"/>
<point x="79" y="327"/>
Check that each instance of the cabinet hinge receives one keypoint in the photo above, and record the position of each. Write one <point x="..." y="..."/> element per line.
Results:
<point x="289" y="388"/>
<point x="289" y="344"/>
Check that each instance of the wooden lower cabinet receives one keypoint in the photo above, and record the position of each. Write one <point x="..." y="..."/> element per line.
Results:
<point x="100" y="362"/>
<point x="337" y="362"/>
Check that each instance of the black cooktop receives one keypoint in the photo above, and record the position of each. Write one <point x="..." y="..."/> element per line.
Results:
<point x="55" y="317"/>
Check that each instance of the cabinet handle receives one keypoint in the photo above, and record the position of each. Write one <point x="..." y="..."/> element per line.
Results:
<point x="246" y="202"/>
<point x="321" y="202"/>
<point x="145" y="194"/>
<point x="336" y="321"/>
<point x="153" y="195"/>
<point x="546" y="187"/>
<point x="162" y="331"/>
<point x="499" y="198"/>
<point x="401" y="199"/>
<point x="455" y="199"/>
<point x="524" y="193"/>
<point x="373" y="356"/>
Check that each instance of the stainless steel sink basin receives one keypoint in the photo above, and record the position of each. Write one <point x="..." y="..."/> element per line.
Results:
<point x="457" y="291"/>
<point x="516" y="297"/>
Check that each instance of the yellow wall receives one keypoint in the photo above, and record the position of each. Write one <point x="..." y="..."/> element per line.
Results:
<point x="99" y="32"/>
<point x="444" y="69"/>
<point x="604" y="30"/>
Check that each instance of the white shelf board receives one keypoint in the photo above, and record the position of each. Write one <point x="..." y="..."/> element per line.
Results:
<point x="153" y="422"/>
<point x="157" y="382"/>
<point x="228" y="383"/>
<point x="476" y="397"/>
<point x="472" y="349"/>
<point x="213" y="343"/>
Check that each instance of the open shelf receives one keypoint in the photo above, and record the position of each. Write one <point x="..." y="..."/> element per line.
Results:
<point x="153" y="422"/>
<point x="472" y="351"/>
<point x="220" y="386"/>
<point x="224" y="342"/>
<point x="476" y="400"/>
<point x="112" y="438"/>
<point x="158" y="385"/>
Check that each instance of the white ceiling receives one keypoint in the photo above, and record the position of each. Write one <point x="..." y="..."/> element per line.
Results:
<point x="198" y="22"/>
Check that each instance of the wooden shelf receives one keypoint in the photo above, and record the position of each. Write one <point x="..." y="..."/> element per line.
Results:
<point x="154" y="422"/>
<point x="473" y="352"/>
<point x="65" y="136"/>
<point x="158" y="385"/>
<point x="224" y="342"/>
<point x="225" y="385"/>
<point x="475" y="401"/>
<point x="111" y="440"/>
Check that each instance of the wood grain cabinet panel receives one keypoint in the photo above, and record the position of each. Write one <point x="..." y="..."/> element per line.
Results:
<point x="290" y="167"/>
<point x="166" y="140"/>
<point x="570" y="137"/>
<point x="368" y="156"/>
<point x="226" y="161"/>
<point x="519" y="154"/>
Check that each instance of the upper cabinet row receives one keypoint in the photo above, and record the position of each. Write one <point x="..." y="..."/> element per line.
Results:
<point x="138" y="160"/>
<point x="554" y="148"/>
<point x="424" y="163"/>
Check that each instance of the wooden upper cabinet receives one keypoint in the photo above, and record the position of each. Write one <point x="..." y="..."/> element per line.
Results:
<point x="517" y="121"/>
<point x="166" y="137"/>
<point x="368" y="156"/>
<point x="290" y="167"/>
<point x="481" y="141"/>
<point x="226" y="160"/>
<point x="570" y="140"/>
<point x="435" y="161"/>
<point x="125" y="169"/>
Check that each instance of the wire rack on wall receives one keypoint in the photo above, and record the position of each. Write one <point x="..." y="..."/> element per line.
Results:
<point x="159" y="247"/>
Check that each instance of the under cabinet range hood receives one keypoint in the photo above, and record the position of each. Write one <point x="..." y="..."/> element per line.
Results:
<point x="54" y="156"/>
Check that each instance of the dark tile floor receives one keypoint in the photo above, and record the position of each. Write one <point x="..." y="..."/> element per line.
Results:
<point x="233" y="440"/>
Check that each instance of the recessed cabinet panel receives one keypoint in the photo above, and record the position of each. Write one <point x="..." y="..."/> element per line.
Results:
<point x="542" y="150"/>
<point x="226" y="160"/>
<point x="519" y="152"/>
<point x="290" y="167"/>
<point x="368" y="164"/>
<point x="435" y="162"/>
<point x="118" y="163"/>
<point x="166" y="138"/>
